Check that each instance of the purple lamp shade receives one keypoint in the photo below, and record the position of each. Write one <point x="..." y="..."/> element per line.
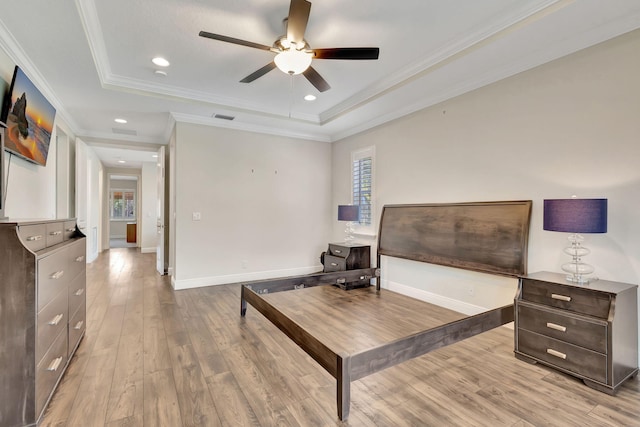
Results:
<point x="576" y="215"/>
<point x="348" y="213"/>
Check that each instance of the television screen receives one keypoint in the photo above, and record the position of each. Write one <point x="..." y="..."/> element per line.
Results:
<point x="29" y="119"/>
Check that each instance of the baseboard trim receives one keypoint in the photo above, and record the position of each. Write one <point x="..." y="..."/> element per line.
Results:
<point x="179" y="284"/>
<point x="439" y="300"/>
<point x="148" y="250"/>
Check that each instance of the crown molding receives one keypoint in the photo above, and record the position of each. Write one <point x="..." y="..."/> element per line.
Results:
<point x="236" y="125"/>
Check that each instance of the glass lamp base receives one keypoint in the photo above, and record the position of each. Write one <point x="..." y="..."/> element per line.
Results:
<point x="349" y="230"/>
<point x="578" y="272"/>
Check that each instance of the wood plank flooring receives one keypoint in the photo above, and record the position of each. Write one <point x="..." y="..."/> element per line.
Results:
<point x="155" y="357"/>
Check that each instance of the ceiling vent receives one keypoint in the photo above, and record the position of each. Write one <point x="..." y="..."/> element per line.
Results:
<point x="223" y="117"/>
<point x="124" y="132"/>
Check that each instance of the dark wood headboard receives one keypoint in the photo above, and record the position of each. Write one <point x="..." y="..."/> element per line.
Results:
<point x="490" y="237"/>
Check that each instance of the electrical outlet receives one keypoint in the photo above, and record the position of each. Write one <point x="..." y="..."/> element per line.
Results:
<point x="471" y="290"/>
<point x="196" y="216"/>
<point x="244" y="264"/>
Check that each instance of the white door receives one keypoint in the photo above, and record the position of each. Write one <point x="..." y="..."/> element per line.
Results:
<point x="160" y="255"/>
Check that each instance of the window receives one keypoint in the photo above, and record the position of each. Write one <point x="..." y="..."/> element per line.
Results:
<point x="362" y="184"/>
<point x="123" y="204"/>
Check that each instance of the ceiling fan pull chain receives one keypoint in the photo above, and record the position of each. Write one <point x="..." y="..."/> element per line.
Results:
<point x="290" y="94"/>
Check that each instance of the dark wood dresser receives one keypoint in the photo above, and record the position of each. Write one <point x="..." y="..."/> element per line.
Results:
<point x="42" y="312"/>
<point x="589" y="331"/>
<point x="348" y="256"/>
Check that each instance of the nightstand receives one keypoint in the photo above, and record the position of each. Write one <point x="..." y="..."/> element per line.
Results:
<point x="588" y="331"/>
<point x="348" y="256"/>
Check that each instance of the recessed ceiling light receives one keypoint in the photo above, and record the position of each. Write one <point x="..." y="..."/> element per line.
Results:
<point x="121" y="121"/>
<point x="160" y="73"/>
<point x="121" y="161"/>
<point x="310" y="97"/>
<point x="155" y="156"/>
<point x="160" y="62"/>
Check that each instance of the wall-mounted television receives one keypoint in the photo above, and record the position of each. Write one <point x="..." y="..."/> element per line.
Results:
<point x="29" y="119"/>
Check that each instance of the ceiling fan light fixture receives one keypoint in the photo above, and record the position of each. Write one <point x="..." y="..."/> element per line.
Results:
<point x="292" y="61"/>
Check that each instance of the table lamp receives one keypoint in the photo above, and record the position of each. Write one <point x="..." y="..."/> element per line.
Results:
<point x="350" y="214"/>
<point x="576" y="216"/>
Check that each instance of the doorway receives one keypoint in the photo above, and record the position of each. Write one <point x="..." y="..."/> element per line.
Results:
<point x="124" y="204"/>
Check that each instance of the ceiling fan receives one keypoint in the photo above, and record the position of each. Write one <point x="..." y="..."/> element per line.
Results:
<point x="293" y="54"/>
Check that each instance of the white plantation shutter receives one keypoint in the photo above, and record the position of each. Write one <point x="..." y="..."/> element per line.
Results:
<point x="362" y="184"/>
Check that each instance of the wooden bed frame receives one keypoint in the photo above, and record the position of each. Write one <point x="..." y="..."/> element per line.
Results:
<point x="489" y="237"/>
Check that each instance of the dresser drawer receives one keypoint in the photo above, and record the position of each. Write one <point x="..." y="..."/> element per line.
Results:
<point x="578" y="330"/>
<point x="77" y="326"/>
<point x="334" y="263"/>
<point x="54" y="233"/>
<point x="582" y="301"/>
<point x="69" y="229"/>
<point x="52" y="276"/>
<point x="578" y="360"/>
<point x="77" y="258"/>
<point x="77" y="291"/>
<point x="49" y="369"/>
<point x="34" y="236"/>
<point x="51" y="320"/>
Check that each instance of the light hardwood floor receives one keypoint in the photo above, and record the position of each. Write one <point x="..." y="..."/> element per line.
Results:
<point x="154" y="357"/>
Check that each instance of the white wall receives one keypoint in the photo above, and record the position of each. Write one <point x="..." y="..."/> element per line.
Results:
<point x="568" y="127"/>
<point x="148" y="206"/>
<point x="264" y="203"/>
<point x="89" y="194"/>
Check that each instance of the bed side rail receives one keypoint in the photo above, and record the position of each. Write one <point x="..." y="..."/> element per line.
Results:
<point x="298" y="282"/>
<point x="393" y="353"/>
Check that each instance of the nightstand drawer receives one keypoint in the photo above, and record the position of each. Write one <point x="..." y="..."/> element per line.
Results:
<point x="339" y="251"/>
<point x="578" y="330"/>
<point x="583" y="301"/>
<point x="334" y="263"/>
<point x="578" y="360"/>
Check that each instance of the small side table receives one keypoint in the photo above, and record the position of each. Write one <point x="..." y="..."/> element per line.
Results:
<point x="348" y="256"/>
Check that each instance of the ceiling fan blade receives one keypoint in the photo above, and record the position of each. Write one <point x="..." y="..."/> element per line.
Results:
<point x="297" y="21"/>
<point x="316" y="79"/>
<point x="259" y="73"/>
<point x="233" y="40"/>
<point x="347" y="53"/>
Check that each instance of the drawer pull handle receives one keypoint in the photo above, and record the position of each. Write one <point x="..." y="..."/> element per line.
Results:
<point x="34" y="238"/>
<point x="333" y="264"/>
<point x="80" y="258"/>
<point x="55" y="233"/>
<point x="71" y="229"/>
<point x="79" y="292"/>
<point x="561" y="297"/>
<point x="55" y="365"/>
<point x="338" y="251"/>
<point x="556" y="353"/>
<point x="78" y="325"/>
<point x="556" y="327"/>
<point x="57" y="275"/>
<point x="56" y="320"/>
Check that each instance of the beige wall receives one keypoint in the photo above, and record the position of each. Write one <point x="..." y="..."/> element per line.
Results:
<point x="568" y="127"/>
<point x="264" y="203"/>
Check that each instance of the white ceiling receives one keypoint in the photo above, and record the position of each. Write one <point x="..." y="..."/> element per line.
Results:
<point x="92" y="59"/>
